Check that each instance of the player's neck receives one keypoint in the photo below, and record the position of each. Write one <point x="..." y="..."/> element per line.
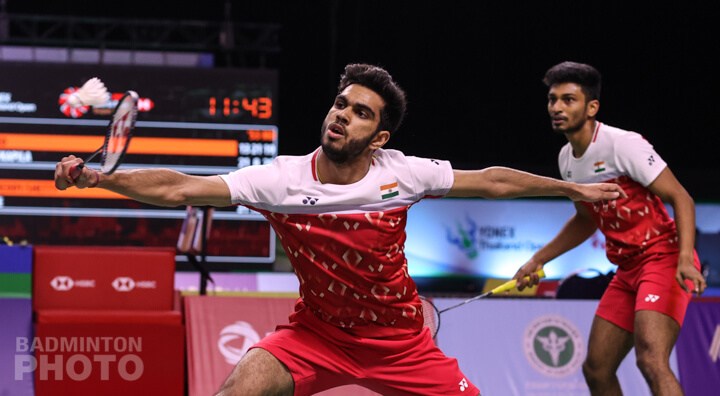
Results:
<point x="580" y="140"/>
<point x="350" y="172"/>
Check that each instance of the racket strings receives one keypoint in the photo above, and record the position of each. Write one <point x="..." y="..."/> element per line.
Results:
<point x="431" y="316"/>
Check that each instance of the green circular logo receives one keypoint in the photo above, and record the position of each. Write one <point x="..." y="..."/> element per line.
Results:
<point x="554" y="346"/>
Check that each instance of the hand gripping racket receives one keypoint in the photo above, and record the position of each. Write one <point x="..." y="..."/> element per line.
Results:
<point x="117" y="138"/>
<point x="432" y="314"/>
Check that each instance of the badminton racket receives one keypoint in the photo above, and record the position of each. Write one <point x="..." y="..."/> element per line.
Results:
<point x="117" y="137"/>
<point x="432" y="314"/>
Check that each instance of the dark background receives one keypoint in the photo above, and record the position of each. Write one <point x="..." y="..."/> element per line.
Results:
<point x="473" y="71"/>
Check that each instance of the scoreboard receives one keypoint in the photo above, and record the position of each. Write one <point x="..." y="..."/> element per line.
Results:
<point x="194" y="120"/>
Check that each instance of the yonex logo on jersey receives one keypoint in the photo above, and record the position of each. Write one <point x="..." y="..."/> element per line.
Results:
<point x="569" y="175"/>
<point x="389" y="190"/>
<point x="599" y="166"/>
<point x="435" y="162"/>
<point x="651" y="160"/>
<point x="714" y="351"/>
<point x="310" y="200"/>
<point x="463" y="385"/>
<point x="652" y="297"/>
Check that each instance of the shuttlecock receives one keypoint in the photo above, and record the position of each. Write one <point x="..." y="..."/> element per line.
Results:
<point x="92" y="93"/>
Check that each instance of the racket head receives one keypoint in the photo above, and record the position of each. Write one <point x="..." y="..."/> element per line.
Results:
<point x="119" y="132"/>
<point x="431" y="316"/>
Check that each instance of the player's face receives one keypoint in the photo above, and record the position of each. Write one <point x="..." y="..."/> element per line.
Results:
<point x="351" y="124"/>
<point x="567" y="107"/>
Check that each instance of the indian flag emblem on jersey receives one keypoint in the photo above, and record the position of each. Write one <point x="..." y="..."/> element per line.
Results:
<point x="599" y="166"/>
<point x="389" y="190"/>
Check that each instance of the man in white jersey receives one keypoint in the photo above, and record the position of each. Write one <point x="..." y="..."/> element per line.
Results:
<point x="340" y="214"/>
<point x="645" y="304"/>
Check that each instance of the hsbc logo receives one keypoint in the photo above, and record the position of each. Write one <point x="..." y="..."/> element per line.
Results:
<point x="123" y="284"/>
<point x="62" y="283"/>
<point x="65" y="283"/>
<point x="126" y="284"/>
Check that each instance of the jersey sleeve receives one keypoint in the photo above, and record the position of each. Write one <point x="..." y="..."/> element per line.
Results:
<point x="255" y="184"/>
<point x="637" y="157"/>
<point x="431" y="177"/>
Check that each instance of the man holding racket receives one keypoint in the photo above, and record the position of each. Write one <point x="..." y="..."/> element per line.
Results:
<point x="340" y="213"/>
<point x="658" y="269"/>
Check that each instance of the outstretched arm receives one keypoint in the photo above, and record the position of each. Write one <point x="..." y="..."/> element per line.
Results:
<point x="577" y="229"/>
<point x="669" y="189"/>
<point x="499" y="182"/>
<point x="162" y="187"/>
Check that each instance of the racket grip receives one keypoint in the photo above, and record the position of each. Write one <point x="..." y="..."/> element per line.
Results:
<point x="75" y="171"/>
<point x="511" y="283"/>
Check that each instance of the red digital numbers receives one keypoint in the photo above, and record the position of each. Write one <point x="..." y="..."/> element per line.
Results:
<point x="257" y="107"/>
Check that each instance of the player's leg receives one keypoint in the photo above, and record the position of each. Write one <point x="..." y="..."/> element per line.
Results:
<point x="655" y="336"/>
<point x="607" y="347"/>
<point x="661" y="304"/>
<point x="611" y="335"/>
<point x="258" y="373"/>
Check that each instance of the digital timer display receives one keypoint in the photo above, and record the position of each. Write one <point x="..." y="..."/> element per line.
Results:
<point x="258" y="107"/>
<point x="196" y="121"/>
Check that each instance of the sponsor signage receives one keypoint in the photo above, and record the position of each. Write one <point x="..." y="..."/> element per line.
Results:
<point x="528" y="347"/>
<point x="698" y="348"/>
<point x="103" y="278"/>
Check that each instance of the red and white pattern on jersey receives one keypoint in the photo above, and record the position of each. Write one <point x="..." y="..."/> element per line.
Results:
<point x="352" y="269"/>
<point x="637" y="226"/>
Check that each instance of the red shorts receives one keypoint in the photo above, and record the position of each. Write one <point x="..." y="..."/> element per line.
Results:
<point x="321" y="356"/>
<point x="650" y="285"/>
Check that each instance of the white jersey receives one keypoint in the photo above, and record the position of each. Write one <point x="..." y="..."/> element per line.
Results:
<point x="346" y="242"/>
<point x="639" y="225"/>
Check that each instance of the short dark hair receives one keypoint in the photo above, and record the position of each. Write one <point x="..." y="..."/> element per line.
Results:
<point x="586" y="76"/>
<point x="378" y="80"/>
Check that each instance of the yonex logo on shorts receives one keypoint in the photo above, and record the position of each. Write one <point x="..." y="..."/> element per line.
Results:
<point x="652" y="297"/>
<point x="463" y="385"/>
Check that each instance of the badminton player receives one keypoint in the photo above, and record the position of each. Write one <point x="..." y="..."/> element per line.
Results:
<point x="340" y="214"/>
<point x="645" y="303"/>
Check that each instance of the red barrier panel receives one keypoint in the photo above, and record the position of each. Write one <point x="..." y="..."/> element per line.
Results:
<point x="220" y="330"/>
<point x="103" y="278"/>
<point x="105" y="323"/>
<point x="108" y="359"/>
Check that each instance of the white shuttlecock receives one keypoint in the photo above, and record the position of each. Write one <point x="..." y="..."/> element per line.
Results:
<point x="92" y="93"/>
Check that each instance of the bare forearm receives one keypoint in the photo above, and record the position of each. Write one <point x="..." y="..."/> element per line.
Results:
<point x="162" y="187"/>
<point x="573" y="233"/>
<point x="684" y="213"/>
<point x="500" y="182"/>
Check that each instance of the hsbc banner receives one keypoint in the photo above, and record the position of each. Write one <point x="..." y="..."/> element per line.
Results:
<point x="528" y="348"/>
<point x="103" y="278"/>
<point x="699" y="348"/>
